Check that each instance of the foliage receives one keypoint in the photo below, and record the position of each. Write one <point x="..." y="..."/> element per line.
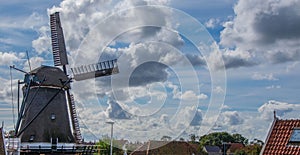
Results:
<point x="216" y="139"/>
<point x="253" y="149"/>
<point x="193" y="138"/>
<point x="238" y="138"/>
<point x="104" y="148"/>
<point x="219" y="138"/>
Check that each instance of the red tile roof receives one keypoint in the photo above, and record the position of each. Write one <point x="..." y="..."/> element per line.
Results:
<point x="278" y="138"/>
<point x="234" y="147"/>
<point x="165" y="148"/>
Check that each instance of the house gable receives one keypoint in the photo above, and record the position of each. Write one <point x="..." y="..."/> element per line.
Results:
<point x="280" y="140"/>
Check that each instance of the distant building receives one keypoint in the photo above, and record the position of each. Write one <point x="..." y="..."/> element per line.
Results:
<point x="283" y="138"/>
<point x="233" y="147"/>
<point x="212" y="150"/>
<point x="165" y="148"/>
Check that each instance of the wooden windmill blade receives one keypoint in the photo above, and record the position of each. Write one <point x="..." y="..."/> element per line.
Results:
<point x="90" y="71"/>
<point x="58" y="42"/>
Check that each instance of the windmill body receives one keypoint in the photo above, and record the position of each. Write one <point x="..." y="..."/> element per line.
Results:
<point x="47" y="120"/>
<point x="53" y="122"/>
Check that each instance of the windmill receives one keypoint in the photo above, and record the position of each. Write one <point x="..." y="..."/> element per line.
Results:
<point x="47" y="113"/>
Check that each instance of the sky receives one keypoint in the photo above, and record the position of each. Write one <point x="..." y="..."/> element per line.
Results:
<point x="186" y="67"/>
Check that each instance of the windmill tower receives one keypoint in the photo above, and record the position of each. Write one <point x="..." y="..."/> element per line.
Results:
<point x="47" y="113"/>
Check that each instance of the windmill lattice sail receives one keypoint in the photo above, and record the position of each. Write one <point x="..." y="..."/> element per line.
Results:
<point x="58" y="41"/>
<point x="90" y="71"/>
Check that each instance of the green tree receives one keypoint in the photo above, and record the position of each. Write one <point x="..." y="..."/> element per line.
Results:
<point x="253" y="149"/>
<point x="238" y="138"/>
<point x="193" y="138"/>
<point x="216" y="139"/>
<point x="240" y="152"/>
<point x="104" y="148"/>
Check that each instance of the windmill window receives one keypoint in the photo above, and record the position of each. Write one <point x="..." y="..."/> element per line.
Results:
<point x="31" y="138"/>
<point x="53" y="116"/>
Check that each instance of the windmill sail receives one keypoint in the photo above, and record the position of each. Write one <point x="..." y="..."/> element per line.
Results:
<point x="58" y="41"/>
<point x="104" y="68"/>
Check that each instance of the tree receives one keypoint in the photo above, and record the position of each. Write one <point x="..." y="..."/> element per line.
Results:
<point x="253" y="149"/>
<point x="216" y="139"/>
<point x="238" y="138"/>
<point x="257" y="141"/>
<point x="240" y="152"/>
<point x="104" y="148"/>
<point x="193" y="138"/>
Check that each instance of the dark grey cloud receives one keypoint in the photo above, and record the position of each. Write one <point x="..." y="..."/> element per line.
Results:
<point x="148" y="72"/>
<point x="284" y="56"/>
<point x="236" y="62"/>
<point x="139" y="34"/>
<point x="284" y="24"/>
<point x="232" y="118"/>
<point x="196" y="60"/>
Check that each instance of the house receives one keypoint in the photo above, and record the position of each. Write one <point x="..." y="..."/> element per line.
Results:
<point x="233" y="147"/>
<point x="212" y="150"/>
<point x="165" y="148"/>
<point x="283" y="138"/>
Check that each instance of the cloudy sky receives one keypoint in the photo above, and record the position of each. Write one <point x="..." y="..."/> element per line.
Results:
<point x="186" y="67"/>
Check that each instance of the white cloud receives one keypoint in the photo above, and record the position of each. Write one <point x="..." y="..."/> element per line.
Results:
<point x="273" y="87"/>
<point x="8" y="58"/>
<point x="253" y="124"/>
<point x="212" y="23"/>
<point x="5" y="92"/>
<point x="218" y="90"/>
<point x="82" y="16"/>
<point x="226" y="107"/>
<point x="281" y="108"/>
<point x="43" y="43"/>
<point x="292" y="67"/>
<point x="232" y="118"/>
<point x="34" y="62"/>
<point x="190" y="95"/>
<point x="269" y="28"/>
<point x="259" y="76"/>
<point x="34" y="20"/>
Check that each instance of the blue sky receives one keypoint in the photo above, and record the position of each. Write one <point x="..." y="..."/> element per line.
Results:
<point x="252" y="46"/>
